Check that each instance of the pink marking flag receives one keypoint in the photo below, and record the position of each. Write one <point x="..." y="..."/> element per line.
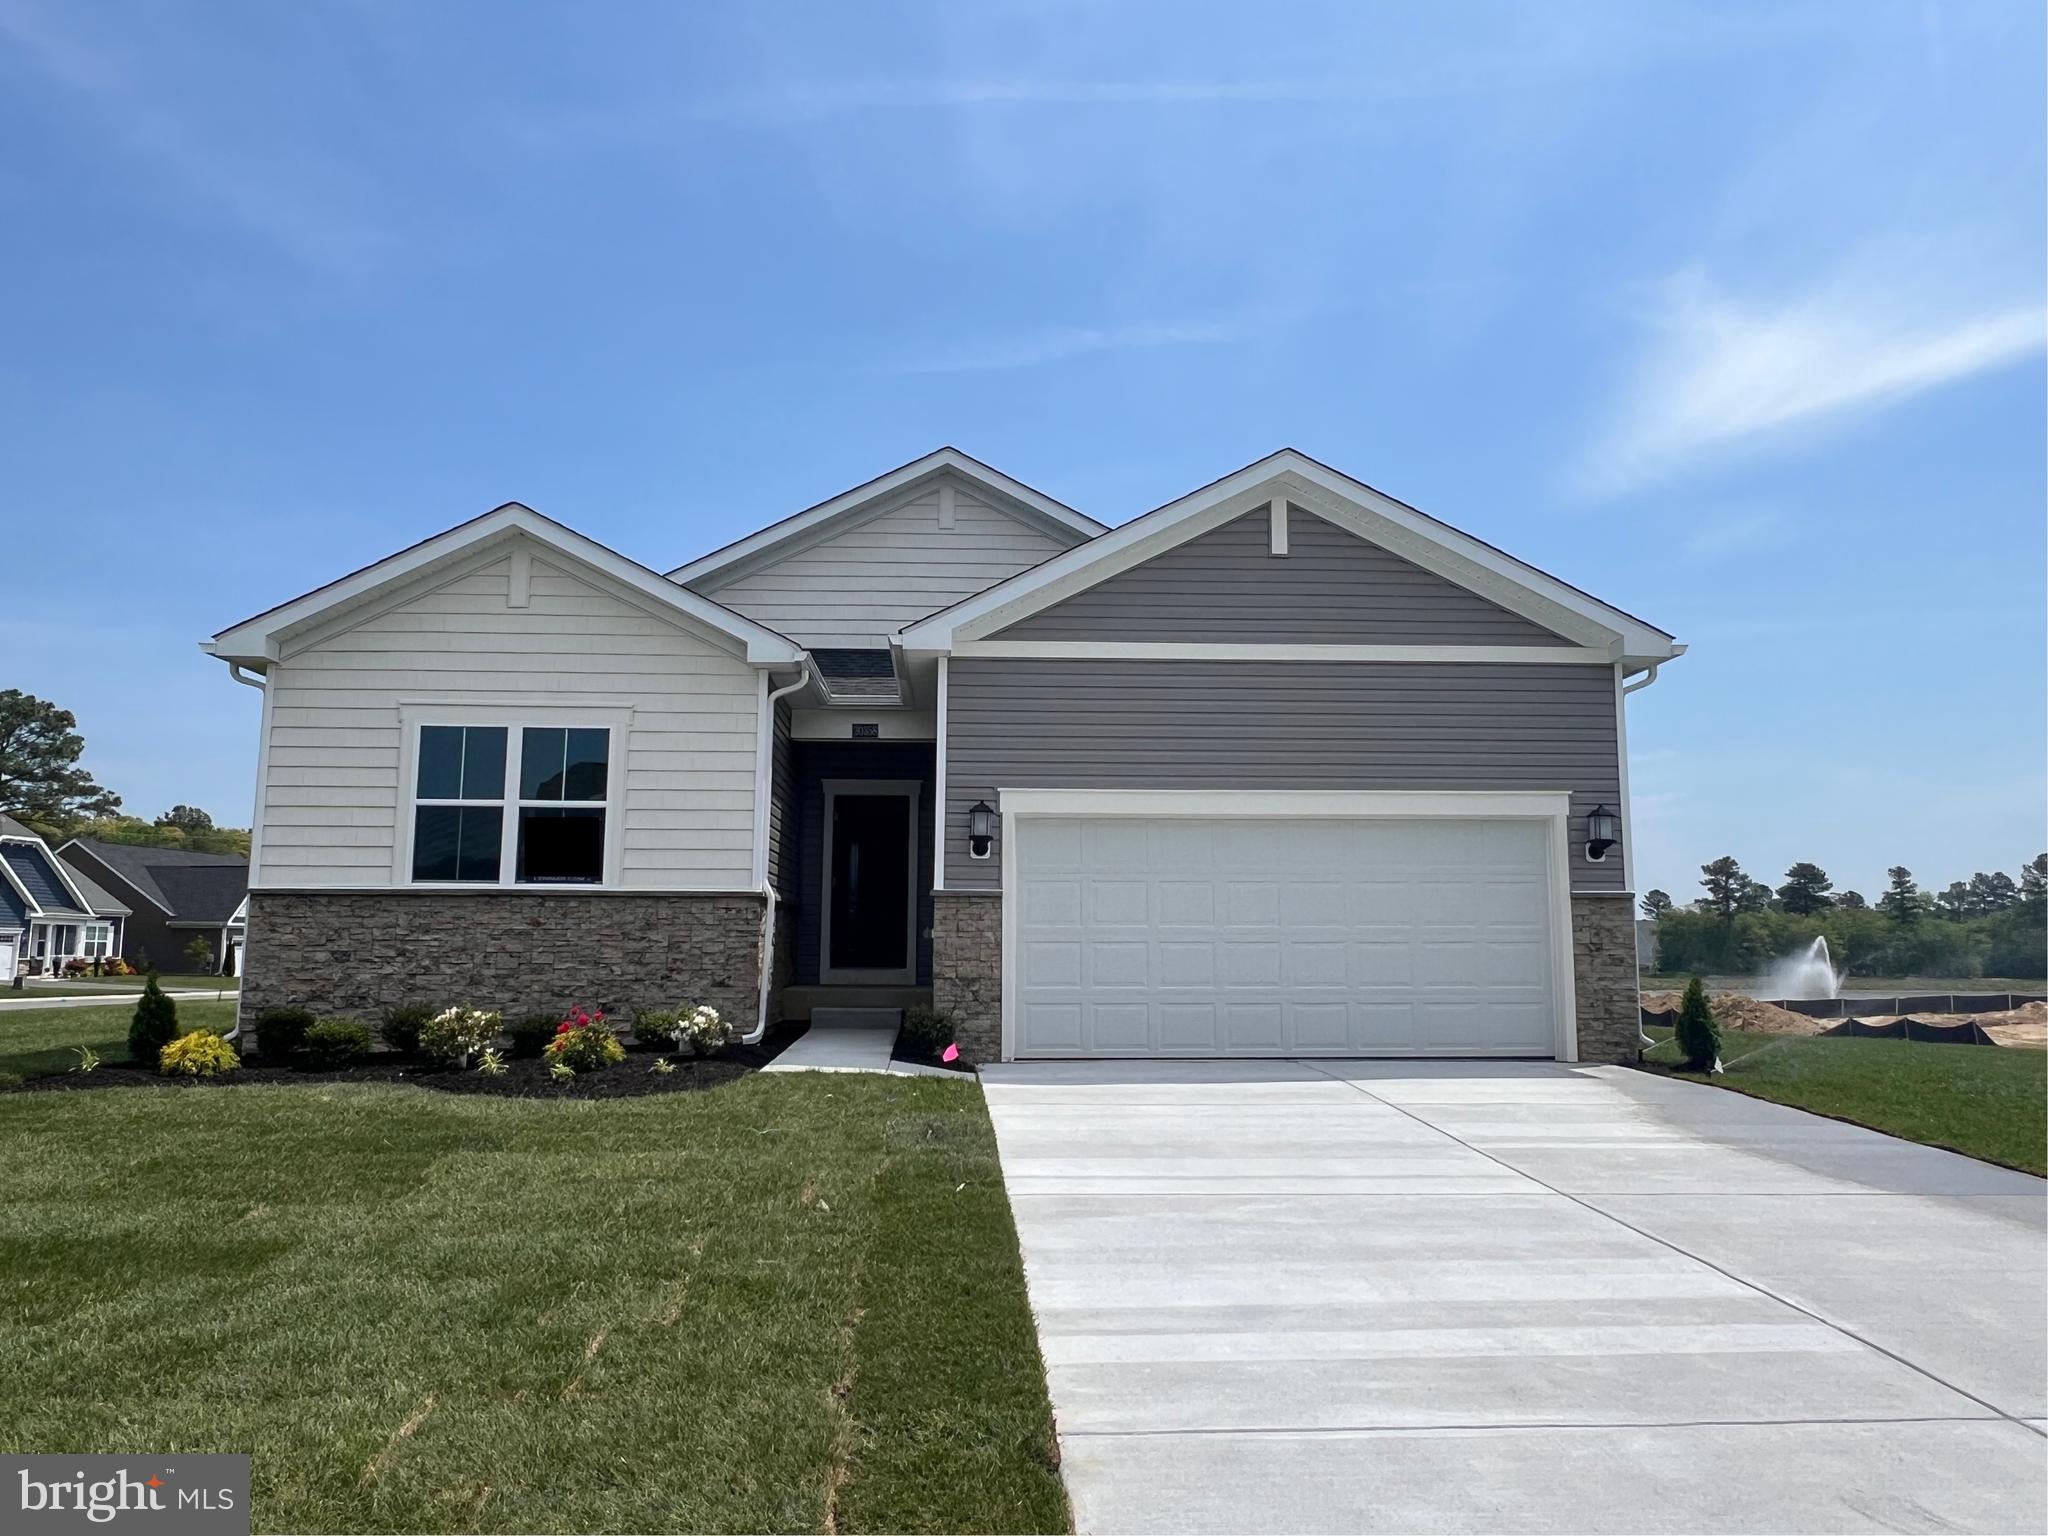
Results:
<point x="951" y="1053"/>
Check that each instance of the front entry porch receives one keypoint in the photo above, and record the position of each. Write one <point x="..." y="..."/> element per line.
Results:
<point x="859" y="894"/>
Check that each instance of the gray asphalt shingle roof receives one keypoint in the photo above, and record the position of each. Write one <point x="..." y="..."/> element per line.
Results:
<point x="857" y="674"/>
<point x="191" y="886"/>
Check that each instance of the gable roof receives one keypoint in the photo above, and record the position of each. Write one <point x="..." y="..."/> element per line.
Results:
<point x="255" y="641"/>
<point x="1515" y="585"/>
<point x="813" y="523"/>
<point x="102" y="902"/>
<point x="171" y="879"/>
<point x="37" y="875"/>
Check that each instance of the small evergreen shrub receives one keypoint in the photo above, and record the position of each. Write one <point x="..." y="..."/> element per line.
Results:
<point x="281" y="1031"/>
<point x="530" y="1034"/>
<point x="401" y="1027"/>
<point x="929" y="1029"/>
<point x="154" y="1024"/>
<point x="658" y="1029"/>
<point x="334" y="1043"/>
<point x="1698" y="1033"/>
<point x="455" y="1034"/>
<point x="584" y="1043"/>
<point x="199" y="1054"/>
<point x="199" y="955"/>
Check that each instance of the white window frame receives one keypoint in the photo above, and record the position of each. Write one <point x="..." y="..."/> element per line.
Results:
<point x="93" y="934"/>
<point x="515" y="720"/>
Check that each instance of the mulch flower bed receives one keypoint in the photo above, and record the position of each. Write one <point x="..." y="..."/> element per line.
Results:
<point x="524" y="1078"/>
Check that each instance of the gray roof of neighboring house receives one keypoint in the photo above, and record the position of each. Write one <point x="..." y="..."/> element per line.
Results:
<point x="202" y="893"/>
<point x="857" y="674"/>
<point x="190" y="886"/>
<point x="95" y="894"/>
<point x="34" y="867"/>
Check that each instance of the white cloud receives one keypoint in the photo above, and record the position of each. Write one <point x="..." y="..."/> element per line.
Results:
<point x="1722" y="374"/>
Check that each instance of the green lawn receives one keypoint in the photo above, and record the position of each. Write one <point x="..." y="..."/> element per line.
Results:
<point x="36" y="1042"/>
<point x="790" y="1304"/>
<point x="1984" y="1100"/>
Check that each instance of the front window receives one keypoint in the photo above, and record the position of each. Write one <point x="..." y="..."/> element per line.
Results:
<point x="472" y="823"/>
<point x="99" y="941"/>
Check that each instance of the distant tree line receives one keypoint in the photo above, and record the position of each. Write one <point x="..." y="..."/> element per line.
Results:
<point x="42" y="786"/>
<point x="1988" y="925"/>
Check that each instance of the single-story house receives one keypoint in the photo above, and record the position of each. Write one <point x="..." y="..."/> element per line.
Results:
<point x="1282" y="767"/>
<point x="175" y="896"/>
<point x="50" y="914"/>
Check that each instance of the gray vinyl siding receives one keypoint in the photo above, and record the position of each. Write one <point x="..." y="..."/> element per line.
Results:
<point x="1275" y="726"/>
<point x="1333" y="588"/>
<point x="856" y="588"/>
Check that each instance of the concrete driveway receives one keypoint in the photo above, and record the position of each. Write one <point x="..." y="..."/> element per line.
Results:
<point x="1379" y="1296"/>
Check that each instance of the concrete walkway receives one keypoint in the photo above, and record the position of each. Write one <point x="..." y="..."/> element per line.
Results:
<point x="845" y="1049"/>
<point x="1352" y="1296"/>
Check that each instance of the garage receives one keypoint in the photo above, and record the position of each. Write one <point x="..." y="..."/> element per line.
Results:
<point x="1235" y="925"/>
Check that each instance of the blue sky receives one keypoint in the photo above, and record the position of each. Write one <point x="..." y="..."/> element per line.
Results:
<point x="1731" y="314"/>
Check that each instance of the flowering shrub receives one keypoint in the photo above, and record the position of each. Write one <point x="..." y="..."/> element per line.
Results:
<point x="75" y="966"/>
<point x="455" y="1034"/>
<point x="199" y="1054"/>
<point x="702" y="1030"/>
<point x="584" y="1042"/>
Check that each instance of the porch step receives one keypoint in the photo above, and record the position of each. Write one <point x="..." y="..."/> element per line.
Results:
<point x="800" y="1000"/>
<point x="856" y="1018"/>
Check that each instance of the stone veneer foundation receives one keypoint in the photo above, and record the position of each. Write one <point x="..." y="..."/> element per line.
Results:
<point x="1604" y="975"/>
<point x="354" y="955"/>
<point x="967" y="969"/>
<point x="967" y="972"/>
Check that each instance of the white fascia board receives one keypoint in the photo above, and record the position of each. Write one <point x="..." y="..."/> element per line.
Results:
<point x="254" y="642"/>
<point x="56" y="866"/>
<point x="1348" y="503"/>
<point x="1174" y="650"/>
<point x="815" y="521"/>
<point x="35" y="908"/>
<point x="1540" y="804"/>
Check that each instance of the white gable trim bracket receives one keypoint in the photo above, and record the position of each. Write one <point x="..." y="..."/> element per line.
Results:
<point x="259" y="641"/>
<point x="780" y="540"/>
<point x="1580" y="620"/>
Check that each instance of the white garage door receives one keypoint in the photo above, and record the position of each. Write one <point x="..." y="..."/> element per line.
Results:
<point x="1245" y="936"/>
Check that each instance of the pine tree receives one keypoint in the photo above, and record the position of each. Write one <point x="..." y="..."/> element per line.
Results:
<point x="1903" y="901"/>
<point x="1698" y="1035"/>
<point x="155" y="1024"/>
<point x="1726" y="886"/>
<point x="1805" y="890"/>
<point x="1656" y="904"/>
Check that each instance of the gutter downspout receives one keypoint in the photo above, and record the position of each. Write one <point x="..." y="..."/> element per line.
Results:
<point x="753" y="1036"/>
<point x="261" y="685"/>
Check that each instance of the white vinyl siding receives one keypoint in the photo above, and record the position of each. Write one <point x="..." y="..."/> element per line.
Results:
<point x="333" y="805"/>
<point x="858" y="587"/>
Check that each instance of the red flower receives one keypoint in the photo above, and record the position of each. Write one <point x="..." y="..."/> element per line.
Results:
<point x="562" y="1028"/>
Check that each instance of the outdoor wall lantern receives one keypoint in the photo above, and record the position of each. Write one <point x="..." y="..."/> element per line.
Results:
<point x="1603" y="831"/>
<point x="981" y="829"/>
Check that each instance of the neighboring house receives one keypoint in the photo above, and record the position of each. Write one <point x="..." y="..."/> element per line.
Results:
<point x="1282" y="767"/>
<point x="48" y="913"/>
<point x="174" y="896"/>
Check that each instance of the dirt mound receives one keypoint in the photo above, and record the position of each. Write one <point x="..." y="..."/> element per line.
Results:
<point x="1746" y="1014"/>
<point x="2025" y="1027"/>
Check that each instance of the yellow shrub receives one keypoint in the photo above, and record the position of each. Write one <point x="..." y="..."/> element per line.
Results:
<point x="199" y="1054"/>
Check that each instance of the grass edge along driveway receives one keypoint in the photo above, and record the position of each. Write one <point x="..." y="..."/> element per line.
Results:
<point x="1984" y="1101"/>
<point x="41" y="1042"/>
<point x="793" y="1303"/>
